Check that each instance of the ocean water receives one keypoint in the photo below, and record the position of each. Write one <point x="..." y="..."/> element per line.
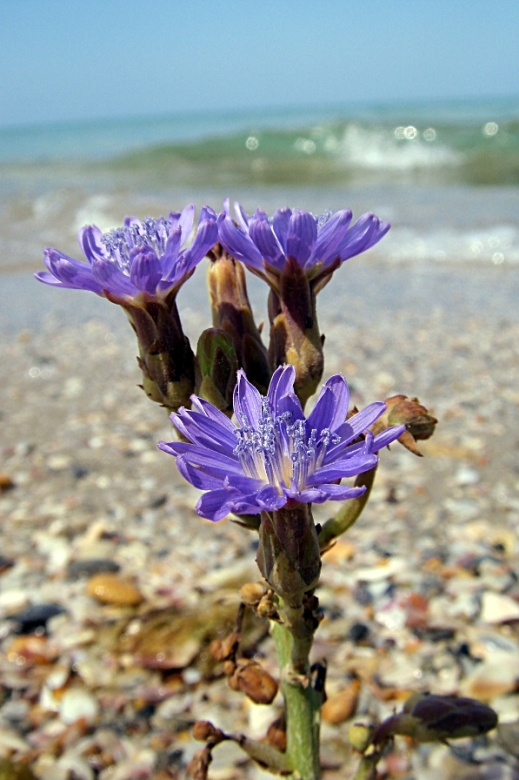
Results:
<point x="445" y="174"/>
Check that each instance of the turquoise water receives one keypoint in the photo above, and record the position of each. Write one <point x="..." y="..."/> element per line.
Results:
<point x="446" y="174"/>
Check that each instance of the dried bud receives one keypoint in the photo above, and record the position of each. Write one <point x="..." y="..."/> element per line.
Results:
<point x="267" y="608"/>
<point x="229" y="668"/>
<point x="204" y="731"/>
<point x="402" y="410"/>
<point x="252" y="592"/>
<point x="428" y="718"/>
<point x="277" y="734"/>
<point x="360" y="737"/>
<point x="255" y="682"/>
<point x="288" y="555"/>
<point x="222" y="649"/>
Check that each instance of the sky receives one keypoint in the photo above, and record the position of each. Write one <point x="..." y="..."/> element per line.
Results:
<point x="66" y="60"/>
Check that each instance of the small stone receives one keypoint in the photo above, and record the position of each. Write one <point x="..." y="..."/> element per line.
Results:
<point x="498" y="608"/>
<point x="87" y="567"/>
<point x="491" y="678"/>
<point x="466" y="476"/>
<point x="358" y="632"/>
<point x="30" y="651"/>
<point x="6" y="482"/>
<point x="111" y="589"/>
<point x="59" y="462"/>
<point x="77" y="704"/>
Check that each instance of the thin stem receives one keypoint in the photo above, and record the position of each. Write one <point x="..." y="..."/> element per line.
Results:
<point x="349" y="513"/>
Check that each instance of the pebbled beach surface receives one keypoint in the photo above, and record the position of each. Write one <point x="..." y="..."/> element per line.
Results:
<point x="111" y="588"/>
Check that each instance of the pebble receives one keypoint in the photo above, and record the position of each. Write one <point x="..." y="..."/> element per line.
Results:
<point x="491" y="678"/>
<point x="35" y="617"/>
<point x="341" y="705"/>
<point x="6" y="482"/>
<point x="498" y="608"/>
<point x="86" y="567"/>
<point x="78" y="704"/>
<point x="111" y="589"/>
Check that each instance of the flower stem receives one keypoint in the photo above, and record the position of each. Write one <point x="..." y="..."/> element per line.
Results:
<point x="302" y="702"/>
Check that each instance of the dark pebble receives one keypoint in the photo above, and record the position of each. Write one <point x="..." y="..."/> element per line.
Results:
<point x="358" y="632"/>
<point x="362" y="595"/>
<point x="435" y="634"/>
<point x="157" y="502"/>
<point x="79" y="471"/>
<point x="86" y="568"/>
<point x="31" y="619"/>
<point x="5" y="563"/>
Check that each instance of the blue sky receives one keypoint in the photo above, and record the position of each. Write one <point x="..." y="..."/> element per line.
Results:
<point x="66" y="60"/>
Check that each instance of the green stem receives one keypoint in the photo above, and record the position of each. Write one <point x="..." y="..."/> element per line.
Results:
<point x="349" y="513"/>
<point x="367" y="768"/>
<point x="302" y="703"/>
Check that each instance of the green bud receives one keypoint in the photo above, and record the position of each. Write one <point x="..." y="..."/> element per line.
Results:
<point x="431" y="718"/>
<point x="294" y="332"/>
<point x="216" y="367"/>
<point x="165" y="357"/>
<point x="232" y="313"/>
<point x="360" y="736"/>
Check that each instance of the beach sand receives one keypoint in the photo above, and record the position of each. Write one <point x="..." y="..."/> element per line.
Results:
<point x="430" y="570"/>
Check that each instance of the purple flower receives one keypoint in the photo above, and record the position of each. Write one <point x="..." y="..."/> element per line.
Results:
<point x="318" y="245"/>
<point x="274" y="455"/>
<point x="140" y="257"/>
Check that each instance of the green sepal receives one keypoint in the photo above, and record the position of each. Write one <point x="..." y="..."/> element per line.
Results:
<point x="216" y="367"/>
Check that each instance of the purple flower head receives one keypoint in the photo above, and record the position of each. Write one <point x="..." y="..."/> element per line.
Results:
<point x="149" y="257"/>
<point x="318" y="245"/>
<point x="273" y="454"/>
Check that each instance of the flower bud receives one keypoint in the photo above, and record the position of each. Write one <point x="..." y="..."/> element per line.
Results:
<point x="216" y="367"/>
<point x="360" y="737"/>
<point x="232" y="313"/>
<point x="294" y="332"/>
<point x="430" y="718"/>
<point x="166" y="359"/>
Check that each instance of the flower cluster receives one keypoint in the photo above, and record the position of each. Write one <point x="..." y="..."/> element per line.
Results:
<point x="273" y="455"/>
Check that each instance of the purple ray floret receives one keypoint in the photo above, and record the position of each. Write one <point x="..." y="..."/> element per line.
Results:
<point x="315" y="243"/>
<point x="273" y="454"/>
<point x="149" y="256"/>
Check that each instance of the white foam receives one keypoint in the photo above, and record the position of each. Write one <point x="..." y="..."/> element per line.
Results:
<point x="382" y="150"/>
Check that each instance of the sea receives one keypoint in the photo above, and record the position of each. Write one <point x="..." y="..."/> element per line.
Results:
<point x="444" y="173"/>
